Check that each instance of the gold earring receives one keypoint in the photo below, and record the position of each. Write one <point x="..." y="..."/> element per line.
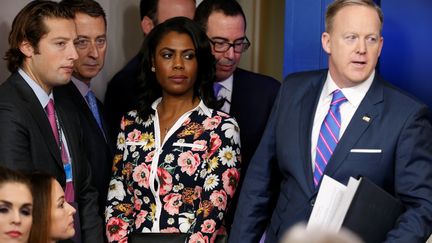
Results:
<point x="153" y="69"/>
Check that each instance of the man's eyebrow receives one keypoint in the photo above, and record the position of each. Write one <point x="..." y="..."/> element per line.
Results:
<point x="219" y="38"/>
<point x="62" y="38"/>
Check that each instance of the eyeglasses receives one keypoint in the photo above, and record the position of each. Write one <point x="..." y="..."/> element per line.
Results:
<point x="222" y="45"/>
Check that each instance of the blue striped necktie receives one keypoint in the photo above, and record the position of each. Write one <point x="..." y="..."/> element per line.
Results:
<point x="328" y="136"/>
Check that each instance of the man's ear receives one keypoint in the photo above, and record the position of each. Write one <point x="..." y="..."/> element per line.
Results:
<point x="325" y="41"/>
<point x="26" y="48"/>
<point x="146" y="25"/>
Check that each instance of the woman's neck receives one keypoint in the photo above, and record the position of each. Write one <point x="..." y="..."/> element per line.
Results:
<point x="170" y="109"/>
<point x="174" y="106"/>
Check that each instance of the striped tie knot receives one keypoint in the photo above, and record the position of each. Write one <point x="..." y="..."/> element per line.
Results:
<point x="338" y="98"/>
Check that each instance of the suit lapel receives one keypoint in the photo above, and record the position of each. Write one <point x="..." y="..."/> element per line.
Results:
<point x="35" y="109"/>
<point x="236" y="97"/>
<point x="365" y="115"/>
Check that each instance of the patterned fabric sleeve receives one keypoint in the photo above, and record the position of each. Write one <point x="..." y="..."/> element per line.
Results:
<point x="221" y="175"/>
<point x="118" y="212"/>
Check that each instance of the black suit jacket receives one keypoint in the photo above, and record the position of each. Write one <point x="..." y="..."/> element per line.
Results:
<point x="120" y="96"/>
<point x="27" y="143"/>
<point x="97" y="146"/>
<point x="252" y="99"/>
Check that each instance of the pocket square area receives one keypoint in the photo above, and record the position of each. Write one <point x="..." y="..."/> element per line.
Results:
<point x="370" y="151"/>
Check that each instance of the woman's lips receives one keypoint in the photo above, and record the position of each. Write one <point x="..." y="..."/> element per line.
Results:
<point x="14" y="234"/>
<point x="178" y="78"/>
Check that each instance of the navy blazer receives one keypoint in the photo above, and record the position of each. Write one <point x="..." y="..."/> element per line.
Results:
<point x="27" y="143"/>
<point x="398" y="125"/>
<point x="97" y="145"/>
<point x="252" y="99"/>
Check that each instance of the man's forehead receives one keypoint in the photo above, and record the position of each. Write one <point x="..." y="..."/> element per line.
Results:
<point x="172" y="8"/>
<point x="59" y="27"/>
<point x="223" y="26"/>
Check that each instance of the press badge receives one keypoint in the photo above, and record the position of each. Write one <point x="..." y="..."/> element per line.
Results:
<point x="68" y="171"/>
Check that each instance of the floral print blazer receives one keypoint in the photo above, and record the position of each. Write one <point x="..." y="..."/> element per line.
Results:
<point x="182" y="184"/>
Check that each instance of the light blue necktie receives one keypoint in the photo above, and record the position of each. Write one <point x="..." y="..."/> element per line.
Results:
<point x="328" y="136"/>
<point x="91" y="100"/>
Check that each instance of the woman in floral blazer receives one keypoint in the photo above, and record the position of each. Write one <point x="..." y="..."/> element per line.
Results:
<point x="177" y="162"/>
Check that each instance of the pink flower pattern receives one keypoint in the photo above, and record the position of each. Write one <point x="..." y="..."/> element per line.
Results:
<point x="181" y="181"/>
<point x="198" y="238"/>
<point x="134" y="136"/>
<point x="209" y="226"/>
<point x="230" y="180"/>
<point x="172" y="203"/>
<point x="141" y="175"/>
<point x="188" y="162"/>
<point x="212" y="122"/>
<point x="116" y="229"/>
<point x="219" y="199"/>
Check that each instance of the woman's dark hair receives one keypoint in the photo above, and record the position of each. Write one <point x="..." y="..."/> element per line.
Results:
<point x="42" y="186"/>
<point x="11" y="176"/>
<point x="149" y="89"/>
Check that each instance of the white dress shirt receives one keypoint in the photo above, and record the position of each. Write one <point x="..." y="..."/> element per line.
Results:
<point x="226" y="92"/>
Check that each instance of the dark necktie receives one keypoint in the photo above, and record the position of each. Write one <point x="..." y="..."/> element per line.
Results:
<point x="328" y="136"/>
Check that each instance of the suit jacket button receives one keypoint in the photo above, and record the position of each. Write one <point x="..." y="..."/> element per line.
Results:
<point x="312" y="202"/>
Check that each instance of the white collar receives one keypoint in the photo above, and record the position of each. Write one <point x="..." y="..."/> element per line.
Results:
<point x="353" y="94"/>
<point x="201" y="106"/>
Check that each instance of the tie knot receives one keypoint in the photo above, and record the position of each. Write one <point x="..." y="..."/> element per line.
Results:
<point x="90" y="95"/>
<point x="338" y="98"/>
<point x="50" y="107"/>
<point x="217" y="87"/>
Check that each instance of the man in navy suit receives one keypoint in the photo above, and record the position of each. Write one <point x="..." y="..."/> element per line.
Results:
<point x="383" y="134"/>
<point x="248" y="96"/>
<point x="91" y="47"/>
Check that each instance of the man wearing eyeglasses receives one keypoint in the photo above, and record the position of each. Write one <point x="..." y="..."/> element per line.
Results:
<point x="248" y="96"/>
<point x="91" y="46"/>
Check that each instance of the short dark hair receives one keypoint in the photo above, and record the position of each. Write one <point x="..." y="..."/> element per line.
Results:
<point x="337" y="5"/>
<point x="149" y="88"/>
<point x="149" y="8"/>
<point x="29" y="26"/>
<point x="89" y="7"/>
<point x="227" y="7"/>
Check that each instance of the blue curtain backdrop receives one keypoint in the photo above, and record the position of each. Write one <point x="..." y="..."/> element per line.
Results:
<point x="406" y="59"/>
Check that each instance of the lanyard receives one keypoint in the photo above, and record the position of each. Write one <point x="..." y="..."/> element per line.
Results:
<point x="60" y="134"/>
<point x="66" y="164"/>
